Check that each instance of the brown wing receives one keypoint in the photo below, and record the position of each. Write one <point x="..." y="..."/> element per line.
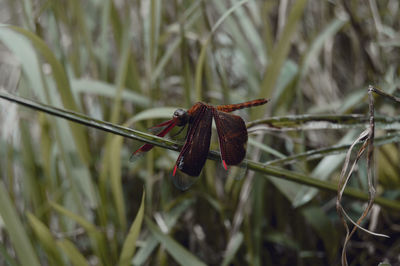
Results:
<point x="194" y="153"/>
<point x="232" y="136"/>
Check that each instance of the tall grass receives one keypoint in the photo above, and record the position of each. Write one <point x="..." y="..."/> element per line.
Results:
<point x="69" y="194"/>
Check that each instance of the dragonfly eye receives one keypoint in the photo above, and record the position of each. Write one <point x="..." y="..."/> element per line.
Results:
<point x="181" y="116"/>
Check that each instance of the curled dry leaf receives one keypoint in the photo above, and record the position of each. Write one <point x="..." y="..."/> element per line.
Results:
<point x="367" y="138"/>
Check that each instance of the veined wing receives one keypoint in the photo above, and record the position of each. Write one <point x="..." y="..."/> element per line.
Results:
<point x="170" y="124"/>
<point x="232" y="136"/>
<point x="194" y="153"/>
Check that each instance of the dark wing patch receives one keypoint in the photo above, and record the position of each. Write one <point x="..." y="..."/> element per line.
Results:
<point x="232" y="136"/>
<point x="194" y="153"/>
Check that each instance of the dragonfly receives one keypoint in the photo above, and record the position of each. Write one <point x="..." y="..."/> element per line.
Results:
<point x="232" y="136"/>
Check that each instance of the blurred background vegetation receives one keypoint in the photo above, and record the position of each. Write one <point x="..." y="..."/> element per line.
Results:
<point x="70" y="196"/>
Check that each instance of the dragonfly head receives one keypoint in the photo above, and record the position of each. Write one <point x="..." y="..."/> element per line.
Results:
<point x="181" y="117"/>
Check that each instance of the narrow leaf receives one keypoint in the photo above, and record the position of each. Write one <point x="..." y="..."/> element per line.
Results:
<point x="18" y="235"/>
<point x="44" y="235"/>
<point x="73" y="253"/>
<point x="128" y="249"/>
<point x="176" y="250"/>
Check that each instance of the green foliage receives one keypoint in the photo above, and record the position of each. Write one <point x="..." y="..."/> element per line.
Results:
<point x="18" y="235"/>
<point x="70" y="196"/>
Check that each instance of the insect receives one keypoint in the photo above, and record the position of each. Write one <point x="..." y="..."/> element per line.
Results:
<point x="232" y="136"/>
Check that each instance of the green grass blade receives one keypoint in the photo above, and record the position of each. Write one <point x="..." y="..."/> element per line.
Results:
<point x="19" y="237"/>
<point x="151" y="242"/>
<point x="46" y="239"/>
<point x="318" y="43"/>
<point x="114" y="161"/>
<point x="31" y="188"/>
<point x="22" y="46"/>
<point x="248" y="42"/>
<point x="101" y="88"/>
<point x="97" y="238"/>
<point x="176" y="250"/>
<point x="73" y="254"/>
<point x="23" y="51"/>
<point x="7" y="258"/>
<point x="129" y="246"/>
<point x="88" y="226"/>
<point x="323" y="226"/>
<point x="236" y="242"/>
<point x="63" y="86"/>
<point x="202" y="56"/>
<point x="154" y="113"/>
<point x="279" y="54"/>
<point x="109" y="159"/>
<point x="88" y="121"/>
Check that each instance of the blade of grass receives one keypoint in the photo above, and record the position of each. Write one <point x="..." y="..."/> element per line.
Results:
<point x="333" y="27"/>
<point x="202" y="56"/>
<point x="333" y="120"/>
<point x="108" y="157"/>
<point x="151" y="242"/>
<point x="85" y="120"/>
<point x="103" y="51"/>
<point x="6" y="256"/>
<point x="279" y="54"/>
<point x="231" y="250"/>
<point x="46" y="239"/>
<point x="134" y="77"/>
<point x="176" y="250"/>
<point x="325" y="168"/>
<point x="21" y="46"/>
<point x="257" y="199"/>
<point x="311" y="55"/>
<point x="84" y="33"/>
<point x="101" y="88"/>
<point x="63" y="86"/>
<point x="19" y="237"/>
<point x="340" y="148"/>
<point x="190" y="16"/>
<point x="28" y="15"/>
<point x="98" y="240"/>
<point x="329" y="186"/>
<point x="76" y="258"/>
<point x="115" y="179"/>
<point x="32" y="189"/>
<point x="129" y="246"/>
<point x="323" y="226"/>
<point x="248" y="43"/>
<point x="153" y="113"/>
